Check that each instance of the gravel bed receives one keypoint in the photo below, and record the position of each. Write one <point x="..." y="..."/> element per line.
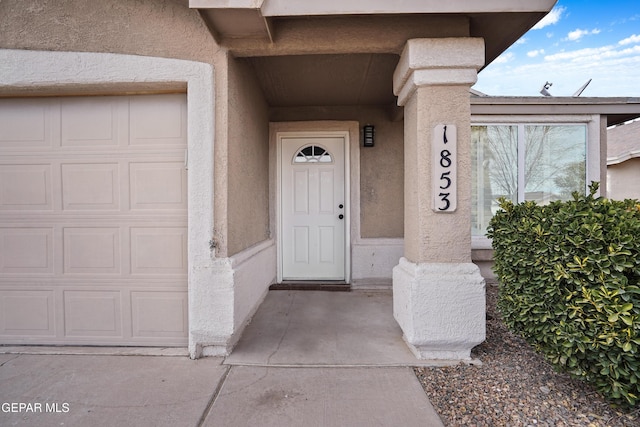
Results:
<point x="514" y="386"/>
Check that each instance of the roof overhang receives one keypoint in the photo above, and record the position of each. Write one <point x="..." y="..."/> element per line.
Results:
<point x="617" y="110"/>
<point x="623" y="143"/>
<point x="616" y="160"/>
<point x="237" y="23"/>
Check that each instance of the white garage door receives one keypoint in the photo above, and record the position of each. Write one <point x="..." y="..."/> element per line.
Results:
<point x="93" y="220"/>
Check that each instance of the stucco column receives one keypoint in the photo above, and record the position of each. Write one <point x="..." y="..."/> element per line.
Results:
<point x="439" y="295"/>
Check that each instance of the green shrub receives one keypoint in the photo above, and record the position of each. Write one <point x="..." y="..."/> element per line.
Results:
<point x="570" y="286"/>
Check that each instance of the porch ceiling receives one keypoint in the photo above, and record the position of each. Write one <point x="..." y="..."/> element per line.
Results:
<point x="323" y="80"/>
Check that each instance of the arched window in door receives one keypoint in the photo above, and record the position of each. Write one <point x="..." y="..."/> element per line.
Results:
<point x="313" y="154"/>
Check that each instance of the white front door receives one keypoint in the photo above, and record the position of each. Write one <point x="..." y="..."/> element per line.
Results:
<point x="313" y="211"/>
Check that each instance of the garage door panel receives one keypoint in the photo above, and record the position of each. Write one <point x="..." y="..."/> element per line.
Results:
<point x="93" y="221"/>
<point x="26" y="250"/>
<point x="24" y="124"/>
<point x="91" y="250"/>
<point x="157" y="121"/>
<point x="159" y="250"/>
<point x="87" y="123"/>
<point x="156" y="185"/>
<point x="91" y="186"/>
<point x="92" y="314"/>
<point x="27" y="312"/>
<point x="159" y="314"/>
<point x="25" y="187"/>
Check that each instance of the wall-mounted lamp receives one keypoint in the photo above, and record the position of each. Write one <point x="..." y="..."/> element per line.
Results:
<point x="368" y="139"/>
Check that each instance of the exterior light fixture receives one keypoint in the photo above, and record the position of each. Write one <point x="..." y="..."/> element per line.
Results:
<point x="368" y="139"/>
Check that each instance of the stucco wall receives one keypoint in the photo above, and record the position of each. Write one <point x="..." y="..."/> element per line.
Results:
<point x="381" y="167"/>
<point x="248" y="160"/>
<point x="382" y="180"/>
<point x="624" y="180"/>
<point x="165" y="28"/>
<point x="432" y="236"/>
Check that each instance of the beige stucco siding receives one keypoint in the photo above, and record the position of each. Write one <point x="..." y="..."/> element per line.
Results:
<point x="441" y="237"/>
<point x="382" y="180"/>
<point x="248" y="160"/>
<point x="165" y="28"/>
<point x="624" y="180"/>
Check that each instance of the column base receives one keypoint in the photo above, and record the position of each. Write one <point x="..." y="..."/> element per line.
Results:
<point x="441" y="308"/>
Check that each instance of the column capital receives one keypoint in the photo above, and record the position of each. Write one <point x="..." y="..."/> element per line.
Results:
<point x="436" y="62"/>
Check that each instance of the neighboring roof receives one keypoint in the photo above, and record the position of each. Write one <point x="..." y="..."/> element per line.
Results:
<point x="475" y="92"/>
<point x="623" y="142"/>
<point x="617" y="110"/>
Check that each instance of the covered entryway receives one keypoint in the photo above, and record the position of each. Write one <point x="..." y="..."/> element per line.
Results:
<point x="93" y="220"/>
<point x="313" y="206"/>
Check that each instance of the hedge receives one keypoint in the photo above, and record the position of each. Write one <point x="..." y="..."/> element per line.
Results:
<point x="569" y="277"/>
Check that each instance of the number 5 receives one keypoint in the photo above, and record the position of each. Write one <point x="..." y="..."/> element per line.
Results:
<point x="445" y="176"/>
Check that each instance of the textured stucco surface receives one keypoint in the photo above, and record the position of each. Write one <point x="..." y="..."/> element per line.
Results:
<point x="382" y="180"/>
<point x="440" y="308"/>
<point x="624" y="180"/>
<point x="248" y="154"/>
<point x="326" y="35"/>
<point x="373" y="261"/>
<point x="431" y="101"/>
<point x="166" y="28"/>
<point x="431" y="236"/>
<point x="438" y="294"/>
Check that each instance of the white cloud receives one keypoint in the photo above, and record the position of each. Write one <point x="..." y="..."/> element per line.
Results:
<point x="534" y="53"/>
<point x="577" y="34"/>
<point x="632" y="39"/>
<point x="552" y="17"/>
<point x="504" y="58"/>
<point x="522" y="40"/>
<point x="593" y="54"/>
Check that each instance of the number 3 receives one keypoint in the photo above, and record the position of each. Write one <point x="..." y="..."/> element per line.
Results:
<point x="443" y="197"/>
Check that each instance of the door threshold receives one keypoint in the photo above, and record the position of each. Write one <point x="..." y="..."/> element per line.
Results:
<point x="311" y="285"/>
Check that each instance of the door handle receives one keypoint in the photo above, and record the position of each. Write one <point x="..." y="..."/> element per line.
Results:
<point x="340" y="216"/>
<point x="340" y="206"/>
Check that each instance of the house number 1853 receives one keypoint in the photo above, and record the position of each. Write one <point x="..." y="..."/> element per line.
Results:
<point x="444" y="168"/>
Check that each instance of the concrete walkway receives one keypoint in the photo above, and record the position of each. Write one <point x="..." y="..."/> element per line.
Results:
<point x="307" y="359"/>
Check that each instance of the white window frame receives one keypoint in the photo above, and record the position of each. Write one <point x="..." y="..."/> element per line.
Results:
<point x="592" y="154"/>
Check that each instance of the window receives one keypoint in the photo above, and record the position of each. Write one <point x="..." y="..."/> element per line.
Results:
<point x="312" y="154"/>
<point x="524" y="162"/>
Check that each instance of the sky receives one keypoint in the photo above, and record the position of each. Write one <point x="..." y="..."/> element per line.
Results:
<point x="577" y="41"/>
